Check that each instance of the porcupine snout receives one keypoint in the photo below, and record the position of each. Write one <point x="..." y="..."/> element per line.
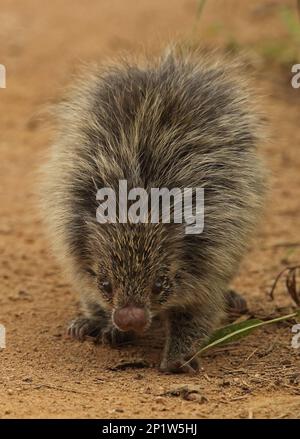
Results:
<point x="131" y="318"/>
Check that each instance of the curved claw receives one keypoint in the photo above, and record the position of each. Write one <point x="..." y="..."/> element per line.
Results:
<point x="83" y="327"/>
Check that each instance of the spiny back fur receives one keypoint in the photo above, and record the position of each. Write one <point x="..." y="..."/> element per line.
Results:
<point x="181" y="121"/>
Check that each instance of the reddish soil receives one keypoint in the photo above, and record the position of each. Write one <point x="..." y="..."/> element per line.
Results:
<point x="44" y="374"/>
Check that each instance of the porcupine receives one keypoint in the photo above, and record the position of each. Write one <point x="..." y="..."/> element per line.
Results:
<point x="183" y="120"/>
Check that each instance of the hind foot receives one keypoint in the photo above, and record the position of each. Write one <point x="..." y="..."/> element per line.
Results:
<point x="236" y="305"/>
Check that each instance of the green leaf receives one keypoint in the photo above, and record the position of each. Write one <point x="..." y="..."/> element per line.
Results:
<point x="236" y="331"/>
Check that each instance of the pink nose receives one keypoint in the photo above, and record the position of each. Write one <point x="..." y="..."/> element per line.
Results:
<point x="130" y="318"/>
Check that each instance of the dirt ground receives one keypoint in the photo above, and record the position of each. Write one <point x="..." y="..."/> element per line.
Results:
<point x="44" y="374"/>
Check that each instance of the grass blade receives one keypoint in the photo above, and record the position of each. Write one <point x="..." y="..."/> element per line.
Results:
<point x="238" y="330"/>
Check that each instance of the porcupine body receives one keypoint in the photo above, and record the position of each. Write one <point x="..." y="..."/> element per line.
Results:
<point x="183" y="121"/>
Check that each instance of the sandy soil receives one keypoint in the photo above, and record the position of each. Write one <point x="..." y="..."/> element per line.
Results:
<point x="44" y="374"/>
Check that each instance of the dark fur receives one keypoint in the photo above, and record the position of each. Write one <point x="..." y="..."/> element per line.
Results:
<point x="182" y="121"/>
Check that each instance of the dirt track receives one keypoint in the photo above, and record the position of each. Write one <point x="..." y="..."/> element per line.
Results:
<point x="42" y="373"/>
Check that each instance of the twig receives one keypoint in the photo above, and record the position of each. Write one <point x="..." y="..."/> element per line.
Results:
<point x="291" y="269"/>
<point x="286" y="244"/>
<point x="237" y="398"/>
<point x="249" y="356"/>
<point x="51" y="386"/>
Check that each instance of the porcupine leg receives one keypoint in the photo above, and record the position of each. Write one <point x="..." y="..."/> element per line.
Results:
<point x="186" y="331"/>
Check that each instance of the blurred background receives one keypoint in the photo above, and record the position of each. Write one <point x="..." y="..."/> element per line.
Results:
<point x="47" y="40"/>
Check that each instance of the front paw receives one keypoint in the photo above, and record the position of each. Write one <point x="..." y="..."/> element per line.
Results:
<point x="83" y="327"/>
<point x="114" y="338"/>
<point x="180" y="365"/>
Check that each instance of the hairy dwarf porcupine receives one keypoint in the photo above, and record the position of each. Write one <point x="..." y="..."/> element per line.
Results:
<point x="183" y="121"/>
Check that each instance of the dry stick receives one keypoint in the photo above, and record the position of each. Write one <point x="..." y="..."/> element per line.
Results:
<point x="295" y="267"/>
<point x="237" y="398"/>
<point x="249" y="356"/>
<point x="291" y="285"/>
<point x="51" y="386"/>
<point x="285" y="244"/>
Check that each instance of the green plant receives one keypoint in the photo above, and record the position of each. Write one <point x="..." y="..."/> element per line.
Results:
<point x="291" y="22"/>
<point x="235" y="331"/>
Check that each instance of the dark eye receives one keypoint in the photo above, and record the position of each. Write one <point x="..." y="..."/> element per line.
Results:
<point x="106" y="287"/>
<point x="157" y="287"/>
<point x="91" y="272"/>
